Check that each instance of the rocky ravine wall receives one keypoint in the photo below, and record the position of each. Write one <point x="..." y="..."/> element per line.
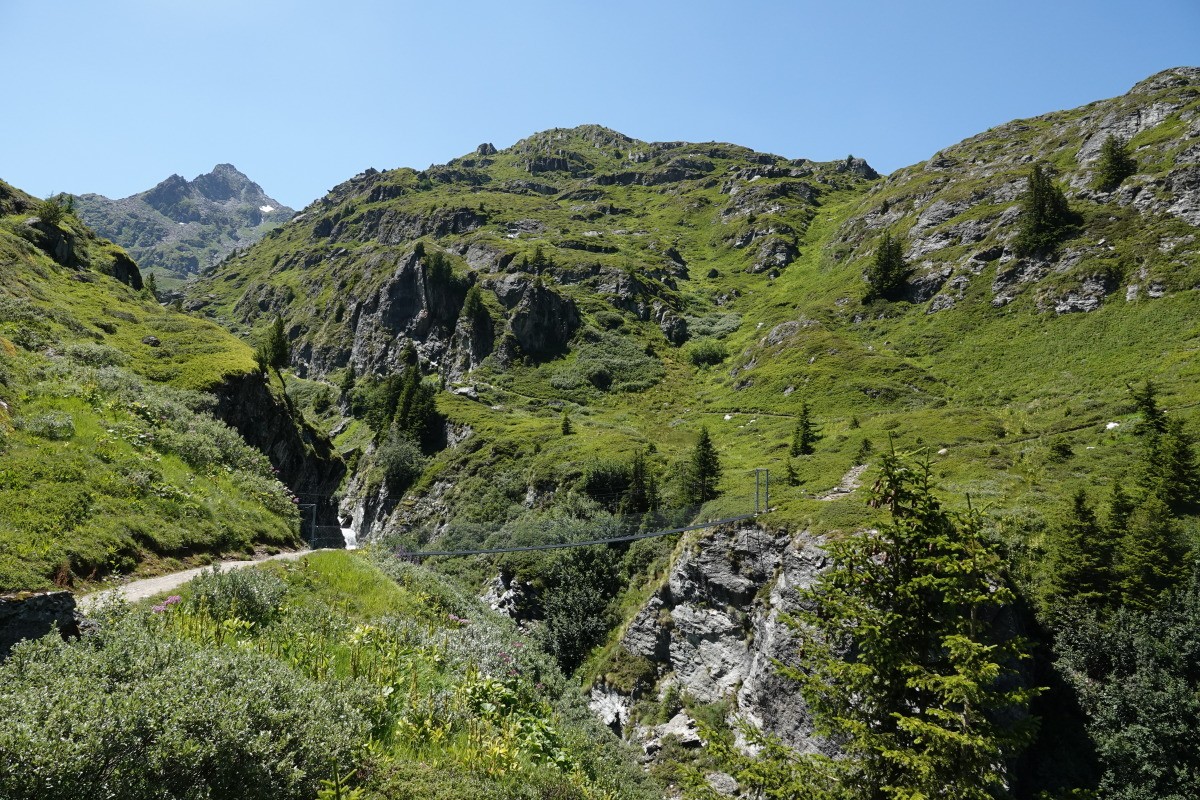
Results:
<point x="714" y="630"/>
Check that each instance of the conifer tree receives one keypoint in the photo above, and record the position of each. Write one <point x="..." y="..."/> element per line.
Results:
<point x="1116" y="164"/>
<point x="805" y="434"/>
<point x="1145" y="399"/>
<point x="1120" y="509"/>
<point x="347" y="383"/>
<point x="888" y="273"/>
<point x="902" y="664"/>
<point x="1151" y="554"/>
<point x="1080" y="567"/>
<point x="274" y="351"/>
<point x="1045" y="215"/>
<point x="642" y="495"/>
<point x="151" y="286"/>
<point x="567" y="427"/>
<point x="702" y="472"/>
<point x="793" y="479"/>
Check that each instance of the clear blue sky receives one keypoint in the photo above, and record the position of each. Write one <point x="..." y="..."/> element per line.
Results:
<point x="112" y="96"/>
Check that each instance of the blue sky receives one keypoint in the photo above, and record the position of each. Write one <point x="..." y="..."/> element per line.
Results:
<point x="113" y="96"/>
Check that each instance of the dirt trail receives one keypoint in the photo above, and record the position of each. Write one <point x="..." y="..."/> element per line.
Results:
<point x="148" y="587"/>
<point x="850" y="482"/>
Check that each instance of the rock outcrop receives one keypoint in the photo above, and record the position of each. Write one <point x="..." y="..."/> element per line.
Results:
<point x="959" y="212"/>
<point x="33" y="615"/>
<point x="714" y="631"/>
<point x="305" y="459"/>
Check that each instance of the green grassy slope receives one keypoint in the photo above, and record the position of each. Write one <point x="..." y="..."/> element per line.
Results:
<point x="990" y="373"/>
<point x="111" y="458"/>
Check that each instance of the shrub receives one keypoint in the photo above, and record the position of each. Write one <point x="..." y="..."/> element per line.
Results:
<point x="96" y="355"/>
<point x="707" y="352"/>
<point x="50" y="212"/>
<point x="132" y="713"/>
<point x="56" y="426"/>
<point x="248" y="594"/>
<point x="401" y="461"/>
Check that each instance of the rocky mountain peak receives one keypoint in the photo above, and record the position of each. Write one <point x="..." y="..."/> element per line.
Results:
<point x="226" y="183"/>
<point x="181" y="225"/>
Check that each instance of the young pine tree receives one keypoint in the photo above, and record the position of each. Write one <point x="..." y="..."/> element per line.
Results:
<point x="702" y="472"/>
<point x="1151" y="555"/>
<point x="1045" y="215"/>
<point x="1080" y="568"/>
<point x="1116" y="164"/>
<point x="274" y="350"/>
<point x="805" y="435"/>
<point x="888" y="273"/>
<point x="642" y="495"/>
<point x="905" y="665"/>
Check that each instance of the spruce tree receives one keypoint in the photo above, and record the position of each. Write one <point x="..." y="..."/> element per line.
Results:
<point x="1145" y="399"/>
<point x="792" y="477"/>
<point x="642" y="495"/>
<point x="1045" y="215"/>
<point x="805" y="434"/>
<point x="702" y="472"/>
<point x="1080" y="567"/>
<point x="903" y="664"/>
<point x="567" y="428"/>
<point x="274" y="350"/>
<point x="888" y="273"/>
<point x="1151" y="555"/>
<point x="1116" y="164"/>
<point x="151" y="286"/>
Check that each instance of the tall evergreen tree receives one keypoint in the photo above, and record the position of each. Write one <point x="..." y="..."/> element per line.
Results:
<point x="1081" y="564"/>
<point x="888" y="273"/>
<point x="702" y="472"/>
<point x="274" y="350"/>
<point x="642" y="495"/>
<point x="903" y="666"/>
<point x="1045" y="214"/>
<point x="1151" y="554"/>
<point x="805" y="434"/>
<point x="1145" y="399"/>
<point x="1116" y="164"/>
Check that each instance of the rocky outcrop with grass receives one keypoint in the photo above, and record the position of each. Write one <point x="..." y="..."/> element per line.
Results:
<point x="959" y="214"/>
<point x="713" y="632"/>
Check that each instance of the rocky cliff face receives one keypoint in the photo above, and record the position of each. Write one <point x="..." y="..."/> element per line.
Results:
<point x="181" y="226"/>
<point x="305" y="459"/>
<point x="714" y="631"/>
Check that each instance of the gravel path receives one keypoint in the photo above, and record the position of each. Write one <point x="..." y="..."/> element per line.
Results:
<point x="148" y="587"/>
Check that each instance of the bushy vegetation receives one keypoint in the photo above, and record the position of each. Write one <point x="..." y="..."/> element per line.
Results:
<point x="372" y="681"/>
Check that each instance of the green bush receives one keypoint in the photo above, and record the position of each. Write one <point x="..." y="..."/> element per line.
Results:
<point x="247" y="594"/>
<point x="401" y="462"/>
<point x="707" y="352"/>
<point x="50" y="212"/>
<point x="133" y="714"/>
<point x="55" y="426"/>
